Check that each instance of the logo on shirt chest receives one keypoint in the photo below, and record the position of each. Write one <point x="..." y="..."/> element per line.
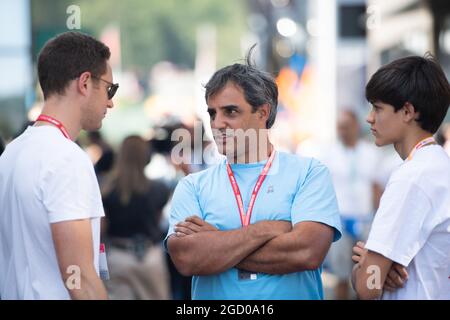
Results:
<point x="270" y="189"/>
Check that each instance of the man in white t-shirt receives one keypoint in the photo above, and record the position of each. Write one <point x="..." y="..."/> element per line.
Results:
<point x="50" y="200"/>
<point x="411" y="229"/>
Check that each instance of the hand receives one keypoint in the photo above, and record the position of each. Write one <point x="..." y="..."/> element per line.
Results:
<point x="191" y="225"/>
<point x="359" y="252"/>
<point x="396" y="277"/>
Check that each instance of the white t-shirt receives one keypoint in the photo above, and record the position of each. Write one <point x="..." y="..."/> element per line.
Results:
<point x="44" y="178"/>
<point x="354" y="172"/>
<point x="412" y="225"/>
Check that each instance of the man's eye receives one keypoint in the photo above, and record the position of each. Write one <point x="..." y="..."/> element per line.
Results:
<point x="230" y="112"/>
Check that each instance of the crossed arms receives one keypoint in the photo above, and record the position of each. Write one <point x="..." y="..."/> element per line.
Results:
<point x="274" y="247"/>
<point x="374" y="273"/>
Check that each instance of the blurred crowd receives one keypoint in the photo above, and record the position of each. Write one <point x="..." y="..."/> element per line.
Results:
<point x="137" y="182"/>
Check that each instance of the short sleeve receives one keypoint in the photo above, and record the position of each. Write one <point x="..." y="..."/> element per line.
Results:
<point x="315" y="199"/>
<point x="184" y="204"/>
<point x="70" y="189"/>
<point x="402" y="223"/>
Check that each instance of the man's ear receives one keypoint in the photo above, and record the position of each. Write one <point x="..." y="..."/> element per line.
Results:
<point x="264" y="112"/>
<point x="409" y="112"/>
<point x="83" y="83"/>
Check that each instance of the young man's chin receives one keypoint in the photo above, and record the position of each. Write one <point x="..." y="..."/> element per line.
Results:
<point x="380" y="143"/>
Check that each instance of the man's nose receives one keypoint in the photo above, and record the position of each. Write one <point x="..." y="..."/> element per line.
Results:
<point x="218" y="122"/>
<point x="370" y="118"/>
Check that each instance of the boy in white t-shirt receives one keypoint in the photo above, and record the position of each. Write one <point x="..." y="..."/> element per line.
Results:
<point x="411" y="229"/>
<point x="50" y="199"/>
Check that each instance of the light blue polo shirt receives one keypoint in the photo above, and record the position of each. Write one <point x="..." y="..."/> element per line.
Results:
<point x="296" y="189"/>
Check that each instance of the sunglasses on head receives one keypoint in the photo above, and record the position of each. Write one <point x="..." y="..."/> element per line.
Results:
<point x="112" y="88"/>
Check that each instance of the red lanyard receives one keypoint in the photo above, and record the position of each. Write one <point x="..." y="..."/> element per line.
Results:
<point x="422" y="143"/>
<point x="55" y="122"/>
<point x="245" y="217"/>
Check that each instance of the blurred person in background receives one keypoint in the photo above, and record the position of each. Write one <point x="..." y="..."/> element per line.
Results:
<point x="50" y="198"/>
<point x="162" y="167"/>
<point x="133" y="206"/>
<point x="101" y="154"/>
<point x="161" y="144"/>
<point x="193" y="160"/>
<point x="353" y="166"/>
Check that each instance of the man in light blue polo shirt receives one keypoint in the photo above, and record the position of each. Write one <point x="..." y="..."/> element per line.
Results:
<point x="259" y="224"/>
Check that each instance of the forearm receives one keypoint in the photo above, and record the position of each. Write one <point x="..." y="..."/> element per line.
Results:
<point x="361" y="285"/>
<point x="369" y="275"/>
<point x="213" y="252"/>
<point x="281" y="255"/>
<point x="74" y="251"/>
<point x="90" y="288"/>
<point x="304" y="248"/>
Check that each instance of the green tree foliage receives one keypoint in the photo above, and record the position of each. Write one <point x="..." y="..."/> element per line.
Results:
<point x="151" y="30"/>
